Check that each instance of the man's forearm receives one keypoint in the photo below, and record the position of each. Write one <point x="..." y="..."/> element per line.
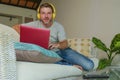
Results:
<point x="63" y="44"/>
<point x="59" y="45"/>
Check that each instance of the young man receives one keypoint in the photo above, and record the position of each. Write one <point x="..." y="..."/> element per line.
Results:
<point x="58" y="41"/>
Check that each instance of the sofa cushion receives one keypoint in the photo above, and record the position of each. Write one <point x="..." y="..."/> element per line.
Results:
<point x="81" y="45"/>
<point x="34" y="53"/>
<point x="42" y="71"/>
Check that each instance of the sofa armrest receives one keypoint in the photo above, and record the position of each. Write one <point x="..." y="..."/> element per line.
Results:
<point x="7" y="53"/>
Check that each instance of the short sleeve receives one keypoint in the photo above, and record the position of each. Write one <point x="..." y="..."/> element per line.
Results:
<point x="61" y="34"/>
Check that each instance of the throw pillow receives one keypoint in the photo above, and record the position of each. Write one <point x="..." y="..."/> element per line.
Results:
<point x="34" y="53"/>
<point x="34" y="56"/>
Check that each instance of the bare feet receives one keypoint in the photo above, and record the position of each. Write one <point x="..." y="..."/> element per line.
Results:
<point x="79" y="67"/>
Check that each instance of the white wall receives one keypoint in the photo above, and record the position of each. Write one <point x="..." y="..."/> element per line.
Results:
<point x="17" y="11"/>
<point x="88" y="18"/>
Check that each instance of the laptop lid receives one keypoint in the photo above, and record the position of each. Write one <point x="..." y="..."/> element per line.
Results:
<point x="38" y="36"/>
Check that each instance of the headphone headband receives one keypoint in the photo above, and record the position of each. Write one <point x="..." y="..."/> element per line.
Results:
<point x="48" y="4"/>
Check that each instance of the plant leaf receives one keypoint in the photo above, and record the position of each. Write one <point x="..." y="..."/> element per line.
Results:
<point x="99" y="44"/>
<point x="114" y="42"/>
<point x="116" y="46"/>
<point x="103" y="63"/>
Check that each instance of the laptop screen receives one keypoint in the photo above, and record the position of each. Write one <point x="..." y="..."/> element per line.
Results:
<point x="38" y="36"/>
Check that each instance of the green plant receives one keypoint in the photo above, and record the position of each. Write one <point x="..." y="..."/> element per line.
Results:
<point x="111" y="51"/>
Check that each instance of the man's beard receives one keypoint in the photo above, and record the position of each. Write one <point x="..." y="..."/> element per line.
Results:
<point x="47" y="22"/>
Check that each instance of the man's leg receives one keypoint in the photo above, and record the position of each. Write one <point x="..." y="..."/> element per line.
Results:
<point x="75" y="58"/>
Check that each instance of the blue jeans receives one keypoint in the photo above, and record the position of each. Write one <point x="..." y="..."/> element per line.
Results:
<point x="71" y="57"/>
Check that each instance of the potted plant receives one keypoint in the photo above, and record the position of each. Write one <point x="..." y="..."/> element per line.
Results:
<point x="111" y="51"/>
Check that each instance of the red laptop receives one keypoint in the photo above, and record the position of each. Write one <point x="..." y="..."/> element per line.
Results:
<point x="38" y="36"/>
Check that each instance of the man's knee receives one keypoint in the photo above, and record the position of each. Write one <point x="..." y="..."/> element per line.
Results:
<point x="89" y="66"/>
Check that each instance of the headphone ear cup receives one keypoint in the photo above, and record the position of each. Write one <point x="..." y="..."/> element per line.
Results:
<point x="38" y="15"/>
<point x="53" y="15"/>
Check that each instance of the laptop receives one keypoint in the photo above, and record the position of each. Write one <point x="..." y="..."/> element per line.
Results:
<point x="38" y="36"/>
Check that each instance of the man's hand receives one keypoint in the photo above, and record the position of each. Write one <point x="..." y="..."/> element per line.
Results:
<point x="61" y="45"/>
<point x="54" y="45"/>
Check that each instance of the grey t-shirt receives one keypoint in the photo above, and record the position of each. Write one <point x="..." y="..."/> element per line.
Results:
<point x="57" y="32"/>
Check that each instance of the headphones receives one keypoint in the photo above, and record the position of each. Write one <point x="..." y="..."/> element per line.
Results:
<point x="53" y="14"/>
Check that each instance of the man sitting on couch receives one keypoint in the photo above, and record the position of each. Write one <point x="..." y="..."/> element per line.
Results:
<point x="58" y="41"/>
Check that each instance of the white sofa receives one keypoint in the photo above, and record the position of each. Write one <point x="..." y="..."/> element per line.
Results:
<point x="47" y="71"/>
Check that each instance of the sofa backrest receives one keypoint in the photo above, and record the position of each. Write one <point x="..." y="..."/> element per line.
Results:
<point x="81" y="45"/>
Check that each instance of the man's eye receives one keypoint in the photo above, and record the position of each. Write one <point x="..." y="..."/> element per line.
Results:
<point x="42" y="13"/>
<point x="49" y="13"/>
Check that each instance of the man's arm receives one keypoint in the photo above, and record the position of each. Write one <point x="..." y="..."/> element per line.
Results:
<point x="60" y="45"/>
<point x="17" y="28"/>
<point x="63" y="44"/>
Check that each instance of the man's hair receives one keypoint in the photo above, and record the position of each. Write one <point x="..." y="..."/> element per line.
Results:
<point x="47" y="5"/>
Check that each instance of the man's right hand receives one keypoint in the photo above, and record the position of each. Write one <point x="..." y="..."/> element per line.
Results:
<point x="54" y="45"/>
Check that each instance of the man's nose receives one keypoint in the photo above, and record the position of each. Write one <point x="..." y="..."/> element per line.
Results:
<point x="46" y="15"/>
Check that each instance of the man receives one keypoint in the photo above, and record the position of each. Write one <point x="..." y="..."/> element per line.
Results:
<point x="58" y="41"/>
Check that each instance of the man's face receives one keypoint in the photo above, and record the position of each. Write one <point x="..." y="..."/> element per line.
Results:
<point x="46" y="15"/>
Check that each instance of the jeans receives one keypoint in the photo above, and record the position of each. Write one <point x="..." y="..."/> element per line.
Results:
<point x="71" y="57"/>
